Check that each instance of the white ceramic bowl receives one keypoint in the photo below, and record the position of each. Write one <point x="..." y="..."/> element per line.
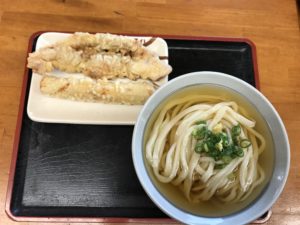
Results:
<point x="265" y="108"/>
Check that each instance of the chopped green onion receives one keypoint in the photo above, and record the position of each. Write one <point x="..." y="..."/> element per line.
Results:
<point x="225" y="140"/>
<point x="194" y="133"/>
<point x="208" y="133"/>
<point x="233" y="156"/>
<point x="215" y="138"/>
<point x="236" y="130"/>
<point x="236" y="140"/>
<point x="201" y="122"/>
<point x="214" y="154"/>
<point x="217" y="158"/>
<point x="199" y="147"/>
<point x="226" y="159"/>
<point x="240" y="152"/>
<point x="199" y="133"/>
<point x="245" y="143"/>
<point x="210" y="145"/>
<point x="219" y="166"/>
<point x="217" y="144"/>
<point x="206" y="147"/>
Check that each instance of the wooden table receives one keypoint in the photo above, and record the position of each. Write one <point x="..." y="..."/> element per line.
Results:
<point x="272" y="25"/>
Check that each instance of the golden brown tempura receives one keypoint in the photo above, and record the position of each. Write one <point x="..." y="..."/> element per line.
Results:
<point x="122" y="91"/>
<point x="100" y="55"/>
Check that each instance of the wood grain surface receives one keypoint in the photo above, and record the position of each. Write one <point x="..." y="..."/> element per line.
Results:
<point x="272" y="25"/>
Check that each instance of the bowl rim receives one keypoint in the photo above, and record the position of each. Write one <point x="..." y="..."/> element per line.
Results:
<point x="281" y="158"/>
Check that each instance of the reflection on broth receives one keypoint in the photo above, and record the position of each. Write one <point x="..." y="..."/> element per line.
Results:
<point x="208" y="150"/>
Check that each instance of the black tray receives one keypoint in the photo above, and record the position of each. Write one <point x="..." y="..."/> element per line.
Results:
<point x="80" y="172"/>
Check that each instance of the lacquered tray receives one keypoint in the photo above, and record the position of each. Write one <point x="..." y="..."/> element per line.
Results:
<point x="84" y="173"/>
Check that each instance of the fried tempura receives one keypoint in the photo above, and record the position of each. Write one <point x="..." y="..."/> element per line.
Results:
<point x="100" y="55"/>
<point x="122" y="91"/>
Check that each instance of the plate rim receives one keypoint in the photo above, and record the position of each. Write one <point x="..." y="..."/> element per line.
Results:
<point x="75" y="119"/>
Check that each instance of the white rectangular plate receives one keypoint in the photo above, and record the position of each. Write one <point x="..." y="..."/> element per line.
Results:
<point x="42" y="108"/>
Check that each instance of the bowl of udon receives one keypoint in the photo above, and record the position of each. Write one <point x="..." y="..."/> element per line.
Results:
<point x="208" y="148"/>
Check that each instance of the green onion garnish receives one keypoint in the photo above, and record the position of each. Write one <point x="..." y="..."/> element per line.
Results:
<point x="199" y="147"/>
<point x="206" y="147"/>
<point x="200" y="122"/>
<point x="245" y="143"/>
<point x="226" y="159"/>
<point x="225" y="140"/>
<point x="200" y="132"/>
<point x="236" y="130"/>
<point x="216" y="144"/>
<point x="240" y="152"/>
<point x="219" y="166"/>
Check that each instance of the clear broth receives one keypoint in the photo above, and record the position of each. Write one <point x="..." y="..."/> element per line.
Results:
<point x="213" y="207"/>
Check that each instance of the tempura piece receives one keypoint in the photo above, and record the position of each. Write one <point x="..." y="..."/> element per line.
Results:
<point x="123" y="91"/>
<point x="101" y="41"/>
<point x="100" y="55"/>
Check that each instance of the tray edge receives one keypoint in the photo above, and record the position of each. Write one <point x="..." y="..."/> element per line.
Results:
<point x="103" y="219"/>
<point x="14" y="156"/>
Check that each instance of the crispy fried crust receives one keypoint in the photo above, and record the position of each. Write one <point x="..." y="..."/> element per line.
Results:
<point x="98" y="56"/>
<point x="121" y="91"/>
<point x="102" y="41"/>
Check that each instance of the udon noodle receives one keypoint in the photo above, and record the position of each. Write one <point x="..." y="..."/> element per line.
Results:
<point x="171" y="149"/>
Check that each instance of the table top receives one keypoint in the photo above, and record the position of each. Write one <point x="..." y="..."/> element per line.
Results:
<point x="272" y="25"/>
